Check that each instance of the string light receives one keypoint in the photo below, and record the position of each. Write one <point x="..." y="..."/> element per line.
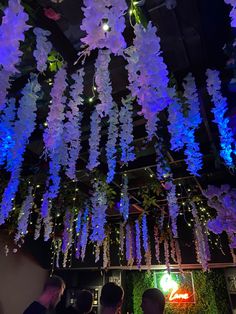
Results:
<point x="105" y="26"/>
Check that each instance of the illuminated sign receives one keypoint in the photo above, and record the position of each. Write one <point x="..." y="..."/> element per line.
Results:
<point x="177" y="287"/>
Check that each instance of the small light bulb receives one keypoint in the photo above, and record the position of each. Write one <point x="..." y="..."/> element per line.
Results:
<point x="91" y="99"/>
<point x="130" y="12"/>
<point x="45" y="124"/>
<point x="105" y="27"/>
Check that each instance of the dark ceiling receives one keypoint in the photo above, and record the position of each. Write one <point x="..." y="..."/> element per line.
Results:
<point x="192" y="39"/>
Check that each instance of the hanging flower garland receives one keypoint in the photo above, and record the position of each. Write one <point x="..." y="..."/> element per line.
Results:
<point x="176" y="125"/>
<point x="222" y="199"/>
<point x="6" y="130"/>
<point x="72" y="128"/>
<point x="84" y="234"/>
<point x="4" y="87"/>
<point x="191" y="123"/>
<point x="111" y="142"/>
<point x="138" y="244"/>
<point x="126" y="131"/>
<point x="102" y="80"/>
<point x="145" y="233"/>
<point x="219" y="111"/>
<point x="232" y="12"/>
<point x="38" y="226"/>
<point x="67" y="236"/>
<point x="53" y="135"/>
<point x="48" y="224"/>
<point x="173" y="249"/>
<point x="122" y="237"/>
<point x="157" y="243"/>
<point x="106" y="252"/>
<point x="124" y="200"/>
<point x="104" y="24"/>
<point x="78" y="228"/>
<point x="23" y="128"/>
<point x="200" y="243"/>
<point x="94" y="140"/>
<point x="14" y="19"/>
<point x="173" y="207"/>
<point x="129" y="249"/>
<point x="148" y="75"/>
<point x="98" y="219"/>
<point x="24" y="215"/>
<point x="167" y="254"/>
<point x="43" y="48"/>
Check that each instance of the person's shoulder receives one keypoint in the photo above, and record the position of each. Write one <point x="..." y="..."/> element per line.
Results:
<point x="35" y="308"/>
<point x="69" y="310"/>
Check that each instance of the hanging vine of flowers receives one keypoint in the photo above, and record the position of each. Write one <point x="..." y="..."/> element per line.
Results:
<point x="129" y="249"/>
<point x="104" y="23"/>
<point x="126" y="131"/>
<point x="176" y="119"/>
<point x="191" y="123"/>
<point x="72" y="128"/>
<point x="53" y="134"/>
<point x="23" y="129"/>
<point x="219" y="111"/>
<point x="84" y="234"/>
<point x="200" y="243"/>
<point x="67" y="235"/>
<point x="148" y="75"/>
<point x="124" y="200"/>
<point x="4" y="87"/>
<point x="43" y="48"/>
<point x="48" y="223"/>
<point x="112" y="142"/>
<point x="94" y="140"/>
<point x="145" y="233"/>
<point x="157" y="243"/>
<point x="173" y="206"/>
<point x="38" y="227"/>
<point x="167" y="254"/>
<point x="222" y="199"/>
<point x="98" y="219"/>
<point x="6" y="130"/>
<point x="103" y="83"/>
<point x="232" y="12"/>
<point x="138" y="244"/>
<point x="24" y="215"/>
<point x="14" y="19"/>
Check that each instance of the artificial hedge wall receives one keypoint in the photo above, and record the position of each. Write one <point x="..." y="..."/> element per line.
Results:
<point x="210" y="289"/>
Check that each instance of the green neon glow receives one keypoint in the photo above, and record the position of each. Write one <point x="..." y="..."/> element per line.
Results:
<point x="167" y="283"/>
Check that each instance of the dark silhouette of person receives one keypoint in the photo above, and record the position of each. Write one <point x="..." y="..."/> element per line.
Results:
<point x="83" y="305"/>
<point x="111" y="298"/>
<point x="49" y="298"/>
<point x="153" y="301"/>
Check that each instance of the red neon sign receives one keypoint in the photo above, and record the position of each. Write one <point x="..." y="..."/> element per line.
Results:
<point x="176" y="288"/>
<point x="174" y="296"/>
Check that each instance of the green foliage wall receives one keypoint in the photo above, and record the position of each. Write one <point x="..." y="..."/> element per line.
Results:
<point x="210" y="289"/>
